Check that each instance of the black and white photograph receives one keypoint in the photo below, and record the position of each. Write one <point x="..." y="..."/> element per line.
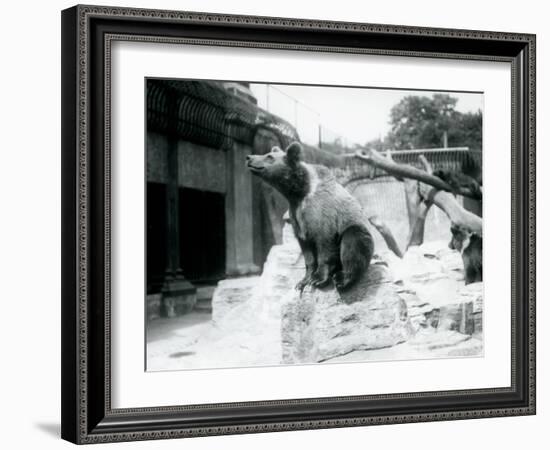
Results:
<point x="262" y="225"/>
<point x="302" y="224"/>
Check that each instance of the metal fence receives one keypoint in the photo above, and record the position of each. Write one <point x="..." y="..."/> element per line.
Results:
<point x="305" y="119"/>
<point x="452" y="158"/>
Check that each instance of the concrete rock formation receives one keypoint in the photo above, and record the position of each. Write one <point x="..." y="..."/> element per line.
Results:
<point x="320" y="325"/>
<point x="415" y="307"/>
<point x="231" y="293"/>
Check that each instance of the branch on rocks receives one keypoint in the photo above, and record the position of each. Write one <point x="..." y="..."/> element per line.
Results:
<point x="450" y="206"/>
<point x="418" y="211"/>
<point x="387" y="235"/>
<point x="375" y="159"/>
<point x="417" y="207"/>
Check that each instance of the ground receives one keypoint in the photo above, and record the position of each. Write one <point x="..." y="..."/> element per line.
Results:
<point x="173" y="339"/>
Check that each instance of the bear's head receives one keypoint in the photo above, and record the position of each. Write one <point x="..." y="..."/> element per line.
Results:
<point x="284" y="170"/>
<point x="458" y="236"/>
<point x="462" y="238"/>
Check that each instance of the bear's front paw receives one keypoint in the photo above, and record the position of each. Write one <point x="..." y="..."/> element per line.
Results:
<point x="301" y="285"/>
<point x="320" y="282"/>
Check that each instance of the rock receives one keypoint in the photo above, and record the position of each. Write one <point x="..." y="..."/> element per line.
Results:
<point x="247" y="314"/>
<point x="434" y="290"/>
<point x="283" y="268"/>
<point x="444" y="314"/>
<point x="446" y="343"/>
<point x="421" y="313"/>
<point x="323" y="324"/>
<point x="460" y="312"/>
<point x="153" y="306"/>
<point x="433" y="271"/>
<point x="230" y="293"/>
<point x="465" y="315"/>
<point x="412" y="308"/>
<point x="425" y="344"/>
<point x="433" y="340"/>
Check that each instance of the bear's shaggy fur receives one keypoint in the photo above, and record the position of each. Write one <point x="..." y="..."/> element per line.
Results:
<point x="470" y="247"/>
<point x="327" y="220"/>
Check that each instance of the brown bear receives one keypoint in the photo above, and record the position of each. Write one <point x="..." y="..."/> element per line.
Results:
<point x="327" y="220"/>
<point x="470" y="247"/>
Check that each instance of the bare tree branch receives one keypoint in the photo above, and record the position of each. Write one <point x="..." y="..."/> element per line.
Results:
<point x="374" y="158"/>
<point x="386" y="234"/>
<point x="389" y="157"/>
<point x="456" y="213"/>
<point x="417" y="207"/>
<point x="427" y="166"/>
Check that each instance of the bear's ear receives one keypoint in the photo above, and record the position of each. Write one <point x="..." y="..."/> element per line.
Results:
<point x="293" y="153"/>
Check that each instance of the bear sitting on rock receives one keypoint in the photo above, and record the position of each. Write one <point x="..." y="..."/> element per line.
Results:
<point x="327" y="220"/>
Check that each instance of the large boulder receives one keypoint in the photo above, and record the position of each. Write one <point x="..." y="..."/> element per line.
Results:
<point x="460" y="311"/>
<point x="464" y="312"/>
<point x="322" y="324"/>
<point x="432" y="271"/>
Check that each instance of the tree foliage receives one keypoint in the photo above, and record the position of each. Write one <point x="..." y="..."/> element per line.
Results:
<point x="423" y="122"/>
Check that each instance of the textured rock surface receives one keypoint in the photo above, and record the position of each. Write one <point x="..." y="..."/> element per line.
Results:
<point x="421" y="298"/>
<point x="425" y="344"/>
<point x="461" y="311"/>
<point x="320" y="325"/>
<point x="229" y="294"/>
<point x="432" y="271"/>
<point x="466" y="315"/>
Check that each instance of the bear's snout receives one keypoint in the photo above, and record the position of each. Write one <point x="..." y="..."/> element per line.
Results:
<point x="253" y="164"/>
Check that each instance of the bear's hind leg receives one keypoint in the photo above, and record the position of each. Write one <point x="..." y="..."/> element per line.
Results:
<point x="356" y="249"/>
<point x="328" y="265"/>
<point x="310" y="259"/>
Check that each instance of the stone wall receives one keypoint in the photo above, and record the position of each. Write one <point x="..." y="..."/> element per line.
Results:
<point x="200" y="167"/>
<point x="215" y="170"/>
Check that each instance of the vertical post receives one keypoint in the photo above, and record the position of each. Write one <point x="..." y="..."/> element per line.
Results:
<point x="239" y="213"/>
<point x="178" y="294"/>
<point x="173" y="268"/>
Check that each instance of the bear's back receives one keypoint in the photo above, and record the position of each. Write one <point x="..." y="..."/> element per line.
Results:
<point x="328" y="209"/>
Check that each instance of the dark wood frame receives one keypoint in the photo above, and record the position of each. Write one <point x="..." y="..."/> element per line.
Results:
<point x="87" y="32"/>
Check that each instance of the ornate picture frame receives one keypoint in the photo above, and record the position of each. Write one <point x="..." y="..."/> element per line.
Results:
<point x="88" y="33"/>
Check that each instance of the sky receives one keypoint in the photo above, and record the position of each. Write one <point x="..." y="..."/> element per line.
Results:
<point x="356" y="114"/>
